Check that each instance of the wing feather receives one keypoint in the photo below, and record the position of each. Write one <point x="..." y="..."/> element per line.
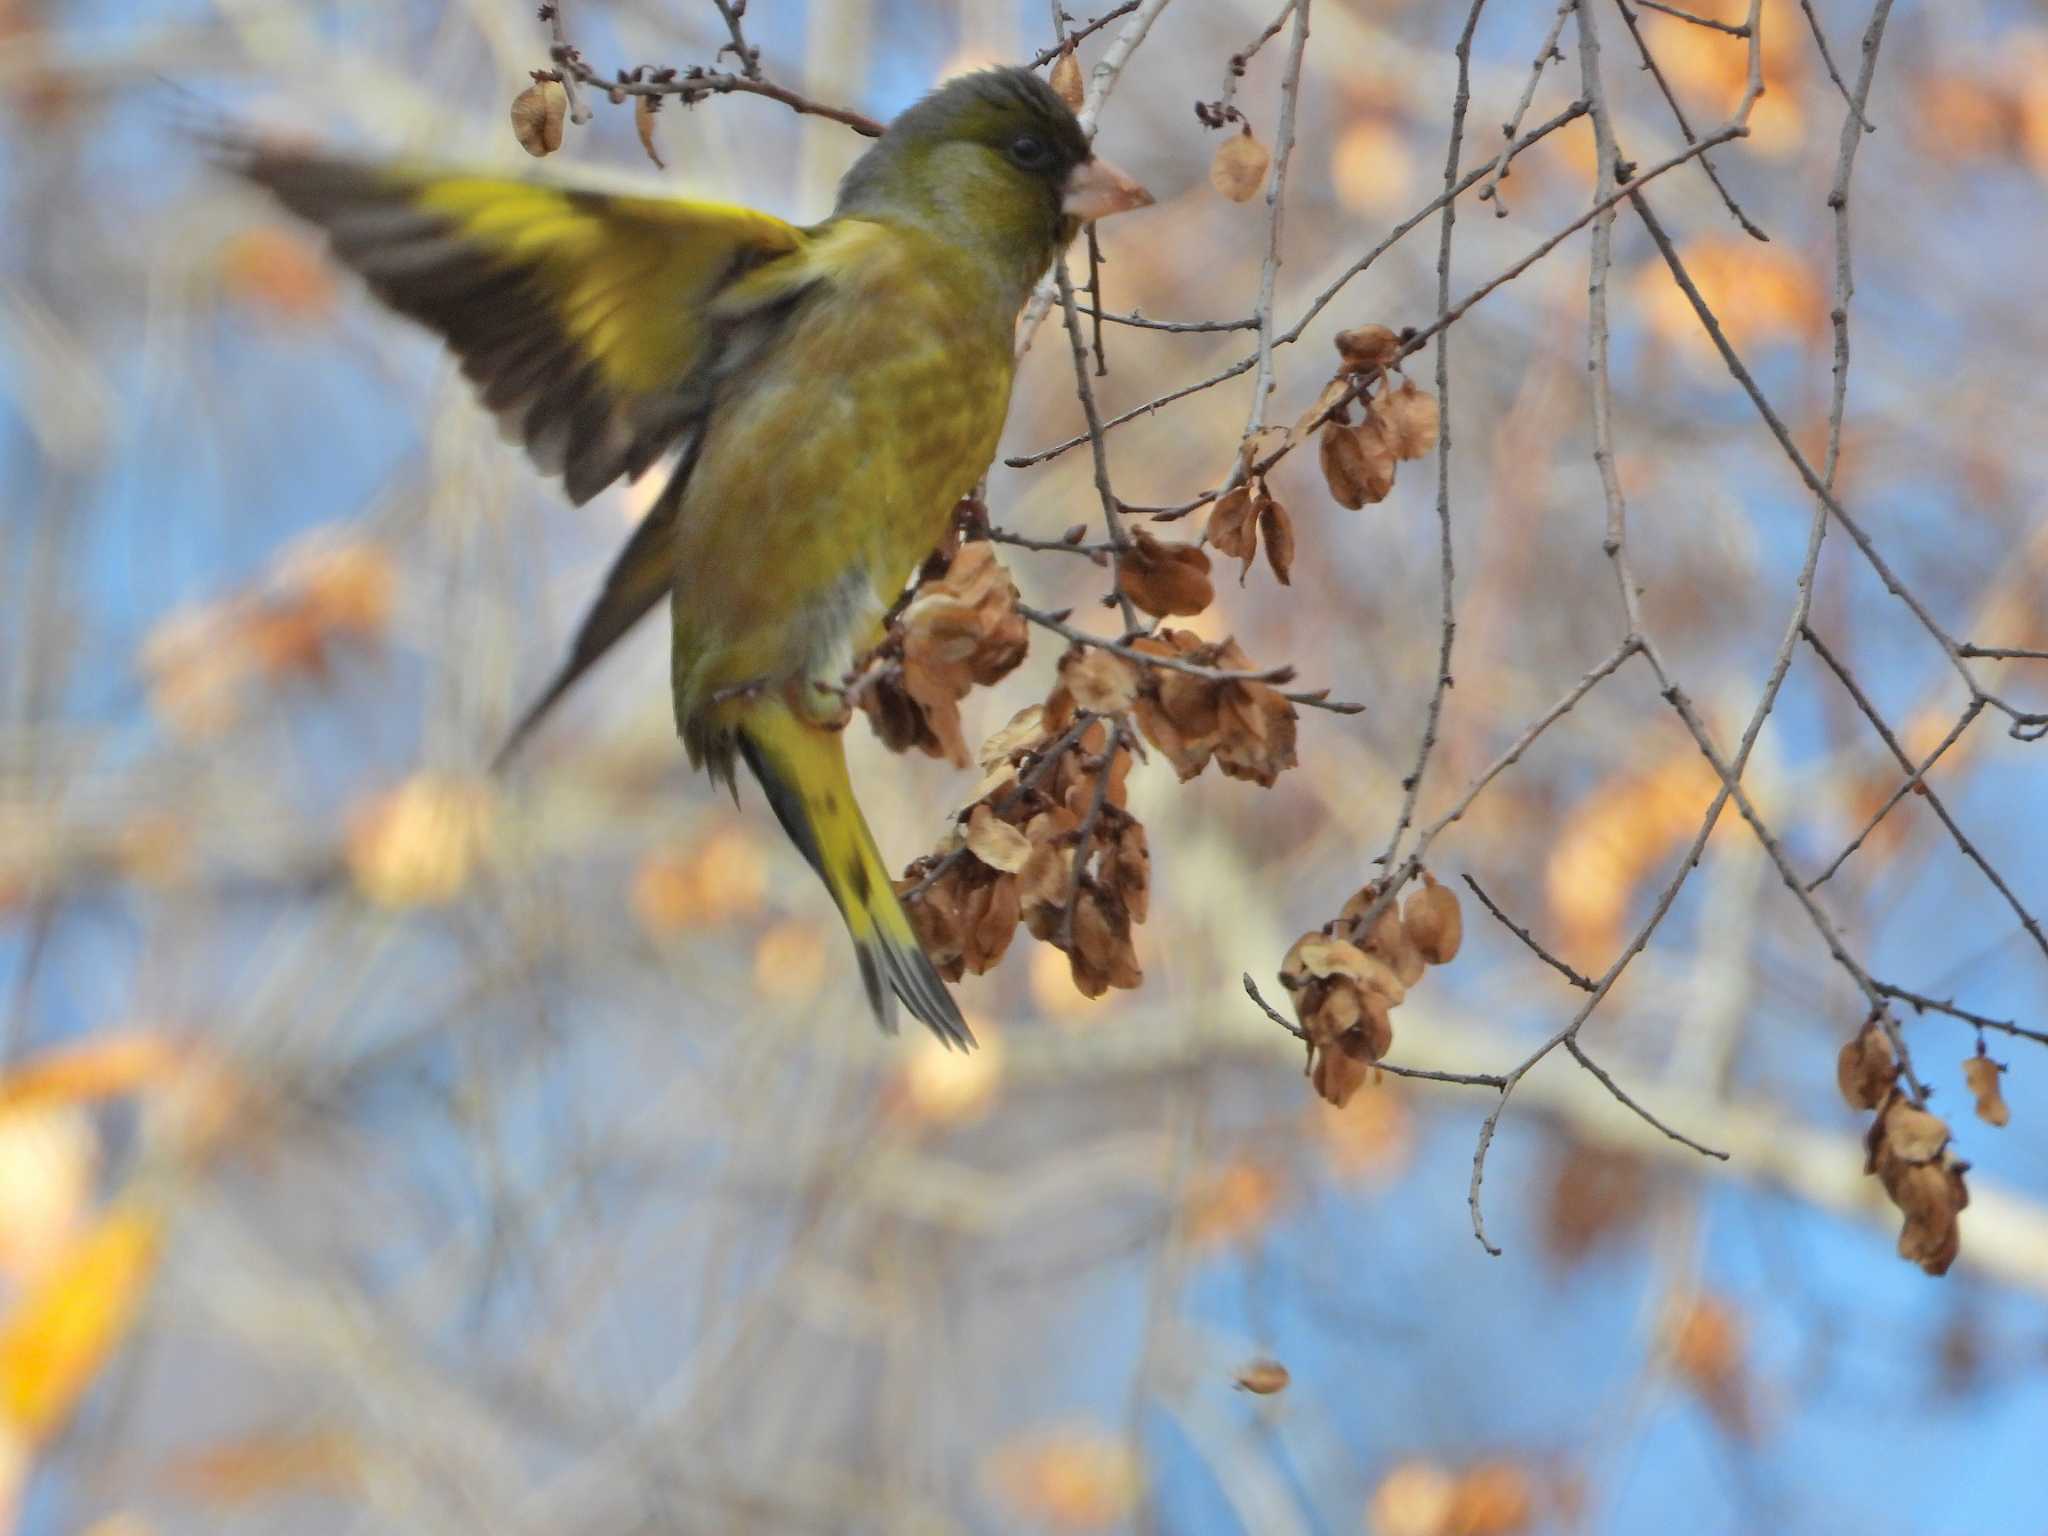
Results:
<point x="588" y="320"/>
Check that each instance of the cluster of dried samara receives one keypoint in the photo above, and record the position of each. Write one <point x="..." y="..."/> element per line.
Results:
<point x="1046" y="839"/>
<point x="1908" y="1148"/>
<point x="1397" y="421"/>
<point x="1347" y="977"/>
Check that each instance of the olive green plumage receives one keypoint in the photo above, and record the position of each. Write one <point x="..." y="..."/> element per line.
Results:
<point x="823" y="395"/>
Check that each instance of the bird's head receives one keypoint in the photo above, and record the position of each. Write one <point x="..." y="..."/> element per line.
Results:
<point x="994" y="161"/>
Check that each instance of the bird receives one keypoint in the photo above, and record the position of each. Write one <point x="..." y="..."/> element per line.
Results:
<point x="817" y="398"/>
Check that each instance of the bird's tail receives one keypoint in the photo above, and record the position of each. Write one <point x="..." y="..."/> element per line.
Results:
<point x="802" y="769"/>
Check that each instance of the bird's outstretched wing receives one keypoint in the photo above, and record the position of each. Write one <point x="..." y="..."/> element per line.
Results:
<point x="584" y="317"/>
<point x="595" y="324"/>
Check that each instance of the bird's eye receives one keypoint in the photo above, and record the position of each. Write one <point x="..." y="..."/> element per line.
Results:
<point x="1029" y="152"/>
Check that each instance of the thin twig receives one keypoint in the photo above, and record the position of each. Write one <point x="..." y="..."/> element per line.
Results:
<point x="1820" y="41"/>
<point x="1743" y="29"/>
<point x="1447" y="575"/>
<point x="1920" y="1003"/>
<point x="1576" y="978"/>
<point x="1419" y="1074"/>
<point x="1111" y="519"/>
<point x="1969" y="849"/>
<point x="1048" y="55"/>
<point x="1271" y="676"/>
<point x="1276" y="206"/>
<point x="1316" y="306"/>
<point x="1607" y="1081"/>
<point x="1749" y="227"/>
<point x="1955" y="734"/>
<point x="1489" y="191"/>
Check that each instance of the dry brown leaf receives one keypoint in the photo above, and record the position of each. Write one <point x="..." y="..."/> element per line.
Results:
<point x="1239" y="168"/>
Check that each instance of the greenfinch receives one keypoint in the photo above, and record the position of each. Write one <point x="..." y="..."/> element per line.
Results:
<point x="818" y="397"/>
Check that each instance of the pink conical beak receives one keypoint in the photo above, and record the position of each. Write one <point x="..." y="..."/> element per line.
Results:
<point x="1096" y="189"/>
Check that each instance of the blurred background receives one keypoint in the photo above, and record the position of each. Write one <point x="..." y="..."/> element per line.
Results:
<point x="385" y="1146"/>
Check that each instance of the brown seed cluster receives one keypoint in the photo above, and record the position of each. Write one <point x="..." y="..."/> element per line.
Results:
<point x="1347" y="977"/>
<point x="1246" y="727"/>
<point x="957" y="630"/>
<point x="1048" y="841"/>
<point x="1397" y="421"/>
<point x="1907" y="1147"/>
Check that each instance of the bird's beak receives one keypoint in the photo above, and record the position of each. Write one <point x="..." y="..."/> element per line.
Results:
<point x="1096" y="189"/>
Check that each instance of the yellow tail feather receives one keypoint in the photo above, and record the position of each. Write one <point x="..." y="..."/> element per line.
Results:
<point x="802" y="769"/>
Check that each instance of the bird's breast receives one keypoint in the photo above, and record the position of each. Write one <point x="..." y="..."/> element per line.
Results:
<point x="829" y="469"/>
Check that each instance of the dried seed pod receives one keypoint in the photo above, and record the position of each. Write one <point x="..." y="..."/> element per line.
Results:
<point x="1100" y="681"/>
<point x="1336" y="390"/>
<point x="1368" y="347"/>
<point x="644" y="110"/>
<point x="1165" y="579"/>
<point x="1982" y="1074"/>
<point x="1357" y="462"/>
<point x="1410" y="420"/>
<point x="1262" y="1377"/>
<point x="1239" y="169"/>
<point x="995" y="842"/>
<point x="1234" y="527"/>
<point x="537" y="115"/>
<point x="1277" y="528"/>
<point x="1433" y="921"/>
<point x="1066" y="80"/>
<point x="1930" y="1195"/>
<point x="1866" y="1069"/>
<point x="1911" y="1134"/>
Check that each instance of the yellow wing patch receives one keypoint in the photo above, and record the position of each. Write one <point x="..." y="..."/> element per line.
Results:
<point x="584" y="317"/>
